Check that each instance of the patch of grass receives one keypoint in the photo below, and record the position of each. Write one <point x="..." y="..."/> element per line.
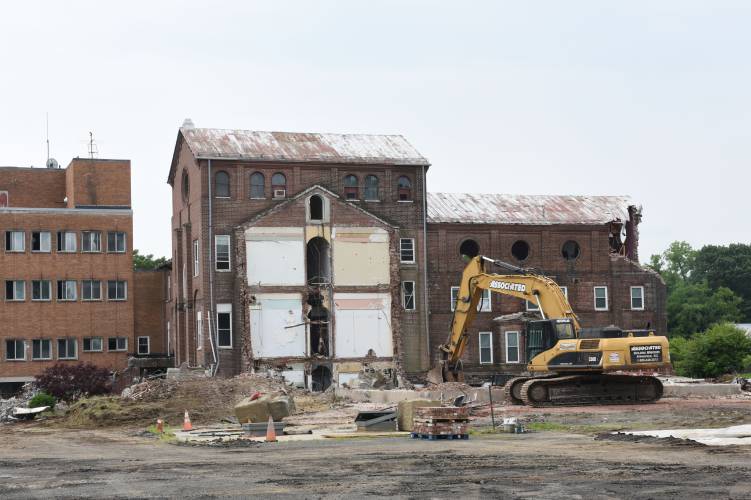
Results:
<point x="168" y="436"/>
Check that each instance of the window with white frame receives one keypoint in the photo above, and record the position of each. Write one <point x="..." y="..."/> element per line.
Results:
<point x="221" y="255"/>
<point x="116" y="242"/>
<point x="117" y="344"/>
<point x="41" y="290"/>
<point x="196" y="258"/>
<point x="532" y="306"/>
<point x="91" y="290"/>
<point x="512" y="347"/>
<point x="15" y="241"/>
<point x="408" y="295"/>
<point x="66" y="290"/>
<point x="601" y="298"/>
<point x="41" y="349"/>
<point x="15" y="350"/>
<point x="92" y="344"/>
<point x="67" y="348"/>
<point x="482" y="306"/>
<point x="41" y="241"/>
<point x="637" y="298"/>
<point x="224" y="326"/>
<point x="199" y="330"/>
<point x="564" y="289"/>
<point x="407" y="250"/>
<point x="486" y="348"/>
<point x="91" y="241"/>
<point x="15" y="290"/>
<point x="117" y="290"/>
<point x="66" y="241"/>
<point x="144" y="345"/>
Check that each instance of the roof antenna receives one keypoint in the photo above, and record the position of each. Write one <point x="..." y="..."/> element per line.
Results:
<point x="48" y="137"/>
<point x="92" y="146"/>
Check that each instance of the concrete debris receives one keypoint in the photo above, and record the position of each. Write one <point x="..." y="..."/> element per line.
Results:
<point x="8" y="406"/>
<point x="259" y="409"/>
<point x="406" y="411"/>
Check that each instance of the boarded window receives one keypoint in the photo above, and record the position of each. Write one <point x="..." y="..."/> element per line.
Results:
<point x="361" y="256"/>
<point x="275" y="256"/>
<point x="277" y="328"/>
<point x="363" y="324"/>
<point x="257" y="185"/>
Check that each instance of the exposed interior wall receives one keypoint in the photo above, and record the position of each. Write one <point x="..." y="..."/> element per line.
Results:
<point x="363" y="325"/>
<point x="275" y="256"/>
<point x="277" y="326"/>
<point x="361" y="256"/>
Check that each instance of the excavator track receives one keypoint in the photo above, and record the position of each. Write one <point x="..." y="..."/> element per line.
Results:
<point x="582" y="390"/>
<point x="512" y="387"/>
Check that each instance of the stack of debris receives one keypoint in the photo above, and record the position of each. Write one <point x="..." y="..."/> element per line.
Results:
<point x="7" y="406"/>
<point x="442" y="422"/>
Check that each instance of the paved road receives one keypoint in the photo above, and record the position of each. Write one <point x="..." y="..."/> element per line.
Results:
<point x="41" y="463"/>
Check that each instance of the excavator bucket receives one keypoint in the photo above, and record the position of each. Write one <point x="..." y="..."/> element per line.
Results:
<point x="435" y="375"/>
<point x="442" y="373"/>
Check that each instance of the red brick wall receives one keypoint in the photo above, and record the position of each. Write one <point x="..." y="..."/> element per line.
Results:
<point x="33" y="187"/>
<point x="149" y="312"/>
<point x="98" y="182"/>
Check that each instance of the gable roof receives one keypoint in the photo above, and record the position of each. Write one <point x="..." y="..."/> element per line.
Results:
<point x="526" y="209"/>
<point x="281" y="206"/>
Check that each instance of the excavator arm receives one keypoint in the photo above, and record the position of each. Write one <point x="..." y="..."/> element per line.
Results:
<point x="524" y="284"/>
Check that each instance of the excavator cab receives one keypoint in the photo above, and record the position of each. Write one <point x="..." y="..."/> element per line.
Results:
<point x="544" y="334"/>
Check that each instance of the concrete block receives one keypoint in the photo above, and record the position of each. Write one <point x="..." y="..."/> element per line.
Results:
<point x="405" y="412"/>
<point x="700" y="390"/>
<point x="260" y="409"/>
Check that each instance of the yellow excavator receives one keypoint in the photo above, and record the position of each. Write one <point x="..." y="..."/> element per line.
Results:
<point x="567" y="366"/>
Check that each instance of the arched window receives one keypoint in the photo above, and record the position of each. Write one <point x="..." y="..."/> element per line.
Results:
<point x="186" y="186"/>
<point x="404" y="186"/>
<point x="469" y="248"/>
<point x="350" y="187"/>
<point x="221" y="184"/>
<point x="371" y="187"/>
<point x="316" y="208"/>
<point x="279" y="185"/>
<point x="257" y="185"/>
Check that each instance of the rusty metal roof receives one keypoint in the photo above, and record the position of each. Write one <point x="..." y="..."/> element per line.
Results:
<point x="301" y="147"/>
<point x="526" y="209"/>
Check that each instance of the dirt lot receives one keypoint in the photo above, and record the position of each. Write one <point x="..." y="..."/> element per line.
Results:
<point x="561" y="458"/>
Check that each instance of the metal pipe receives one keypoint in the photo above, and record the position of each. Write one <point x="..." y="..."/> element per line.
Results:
<point x="211" y="274"/>
<point x="425" y="260"/>
<point x="542" y="313"/>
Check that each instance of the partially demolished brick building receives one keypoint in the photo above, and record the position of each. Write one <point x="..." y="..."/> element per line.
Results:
<point x="322" y="256"/>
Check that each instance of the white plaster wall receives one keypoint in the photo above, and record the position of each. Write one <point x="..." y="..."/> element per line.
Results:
<point x="275" y="255"/>
<point x="363" y="322"/>
<point x="269" y="319"/>
<point x="361" y="256"/>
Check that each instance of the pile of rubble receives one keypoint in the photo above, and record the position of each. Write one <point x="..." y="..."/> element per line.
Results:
<point x="21" y="401"/>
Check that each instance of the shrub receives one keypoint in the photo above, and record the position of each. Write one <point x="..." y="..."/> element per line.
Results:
<point x="68" y="382"/>
<point x="721" y="349"/>
<point x="42" y="399"/>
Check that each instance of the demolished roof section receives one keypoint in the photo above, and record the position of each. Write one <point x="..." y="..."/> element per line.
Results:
<point x="301" y="147"/>
<point x="526" y="209"/>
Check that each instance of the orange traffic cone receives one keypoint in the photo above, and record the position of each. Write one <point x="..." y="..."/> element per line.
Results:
<point x="187" y="426"/>
<point x="271" y="431"/>
<point x="159" y="425"/>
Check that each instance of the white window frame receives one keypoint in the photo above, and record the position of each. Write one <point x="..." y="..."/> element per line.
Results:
<point x="224" y="309"/>
<point x="631" y="297"/>
<point x="41" y="242"/>
<point x="67" y="340"/>
<point x="489" y="335"/>
<point x="518" y="347"/>
<point x="40" y="357"/>
<point x="484" y="305"/>
<point x="16" y="297"/>
<point x="196" y="258"/>
<point x="531" y="306"/>
<point x="404" y="296"/>
<point x="67" y="298"/>
<point x="564" y="289"/>
<point x="148" y="344"/>
<point x="125" y="291"/>
<point x="217" y="238"/>
<point x="117" y="234"/>
<point x="15" y="349"/>
<point x="90" y="339"/>
<point x="9" y="247"/>
<point x="401" y="250"/>
<point x="66" y="237"/>
<point x="49" y="290"/>
<point x="199" y="331"/>
<point x="117" y="349"/>
<point x="594" y="291"/>
<point x="91" y="237"/>
<point x="91" y="288"/>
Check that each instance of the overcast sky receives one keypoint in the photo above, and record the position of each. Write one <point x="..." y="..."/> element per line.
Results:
<point x="644" y="98"/>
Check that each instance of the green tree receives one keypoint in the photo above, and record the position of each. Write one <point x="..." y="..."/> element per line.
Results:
<point x="694" y="307"/>
<point x="674" y="264"/>
<point x="147" y="262"/>
<point x="726" y="266"/>
<point x="721" y="349"/>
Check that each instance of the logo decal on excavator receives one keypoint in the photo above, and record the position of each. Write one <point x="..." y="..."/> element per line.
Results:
<point x="505" y="285"/>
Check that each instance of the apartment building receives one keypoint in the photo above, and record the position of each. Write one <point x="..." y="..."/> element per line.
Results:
<point x="66" y="268"/>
